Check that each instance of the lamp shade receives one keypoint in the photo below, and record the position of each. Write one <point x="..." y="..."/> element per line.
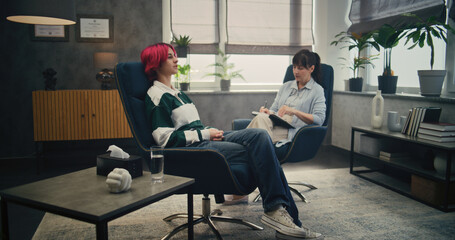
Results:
<point x="43" y="12"/>
<point x="105" y="60"/>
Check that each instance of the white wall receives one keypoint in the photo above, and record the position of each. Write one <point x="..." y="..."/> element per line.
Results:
<point x="330" y="18"/>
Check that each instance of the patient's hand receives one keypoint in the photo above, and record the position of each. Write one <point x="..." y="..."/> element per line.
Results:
<point x="216" y="135"/>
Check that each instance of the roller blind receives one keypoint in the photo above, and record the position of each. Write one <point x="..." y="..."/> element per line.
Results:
<point x="269" y="26"/>
<point x="369" y="15"/>
<point x="199" y="20"/>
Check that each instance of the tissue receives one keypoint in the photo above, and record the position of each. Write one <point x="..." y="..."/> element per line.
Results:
<point x="117" y="152"/>
<point x="119" y="180"/>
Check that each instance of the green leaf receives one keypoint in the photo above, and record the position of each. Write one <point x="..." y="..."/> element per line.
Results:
<point x="422" y="40"/>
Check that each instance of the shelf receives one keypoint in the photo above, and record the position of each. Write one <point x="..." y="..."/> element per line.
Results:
<point x="399" y="175"/>
<point x="409" y="166"/>
<point x="403" y="137"/>
<point x="395" y="185"/>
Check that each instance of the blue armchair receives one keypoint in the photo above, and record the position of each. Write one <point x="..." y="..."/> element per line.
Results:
<point x="308" y="139"/>
<point x="208" y="167"/>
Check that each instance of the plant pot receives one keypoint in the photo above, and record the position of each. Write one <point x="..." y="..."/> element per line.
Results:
<point x="225" y="84"/>
<point x="387" y="84"/>
<point x="355" y="84"/>
<point x="431" y="82"/>
<point x="181" y="51"/>
<point x="184" y="86"/>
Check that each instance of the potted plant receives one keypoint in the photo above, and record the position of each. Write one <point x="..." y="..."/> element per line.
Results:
<point x="358" y="42"/>
<point x="182" y="43"/>
<point x="226" y="72"/>
<point x="183" y="77"/>
<point x="388" y="37"/>
<point x="422" y="33"/>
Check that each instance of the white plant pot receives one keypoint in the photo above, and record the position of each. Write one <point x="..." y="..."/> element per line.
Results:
<point x="431" y="82"/>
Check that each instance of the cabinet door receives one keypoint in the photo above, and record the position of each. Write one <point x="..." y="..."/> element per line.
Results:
<point x="107" y="118"/>
<point x="78" y="115"/>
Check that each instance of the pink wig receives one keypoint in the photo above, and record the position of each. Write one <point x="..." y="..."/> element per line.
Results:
<point x="152" y="57"/>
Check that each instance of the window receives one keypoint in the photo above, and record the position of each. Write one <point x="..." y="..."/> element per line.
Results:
<point x="269" y="26"/>
<point x="368" y="15"/>
<point x="405" y="63"/>
<point x="261" y="36"/>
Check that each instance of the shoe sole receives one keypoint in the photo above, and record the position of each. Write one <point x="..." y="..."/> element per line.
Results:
<point x="282" y="236"/>
<point x="271" y="223"/>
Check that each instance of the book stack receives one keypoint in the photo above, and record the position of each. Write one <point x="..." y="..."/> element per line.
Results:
<point x="437" y="131"/>
<point x="418" y="115"/>
<point x="393" y="156"/>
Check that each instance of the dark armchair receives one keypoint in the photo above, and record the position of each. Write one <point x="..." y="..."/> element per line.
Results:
<point x="208" y="167"/>
<point x="308" y="139"/>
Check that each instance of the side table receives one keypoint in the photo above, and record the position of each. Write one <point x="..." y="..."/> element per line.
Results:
<point x="84" y="196"/>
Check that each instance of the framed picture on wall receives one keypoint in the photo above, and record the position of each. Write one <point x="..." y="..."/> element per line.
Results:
<point x="95" y="28"/>
<point x="52" y="33"/>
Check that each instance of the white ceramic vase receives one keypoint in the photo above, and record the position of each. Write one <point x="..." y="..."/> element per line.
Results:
<point x="377" y="110"/>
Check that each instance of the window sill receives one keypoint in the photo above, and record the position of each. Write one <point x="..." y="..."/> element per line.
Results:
<point x="407" y="96"/>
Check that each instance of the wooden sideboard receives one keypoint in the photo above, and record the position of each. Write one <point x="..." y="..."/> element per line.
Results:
<point x="78" y="115"/>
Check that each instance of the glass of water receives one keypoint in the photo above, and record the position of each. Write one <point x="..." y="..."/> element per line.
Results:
<point x="156" y="164"/>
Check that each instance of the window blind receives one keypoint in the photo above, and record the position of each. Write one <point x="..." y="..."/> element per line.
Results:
<point x="199" y="20"/>
<point x="269" y="26"/>
<point x="369" y="15"/>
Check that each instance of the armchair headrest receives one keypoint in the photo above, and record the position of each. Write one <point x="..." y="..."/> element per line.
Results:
<point x="132" y="85"/>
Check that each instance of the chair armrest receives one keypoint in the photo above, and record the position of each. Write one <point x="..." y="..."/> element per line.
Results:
<point x="239" y="124"/>
<point x="306" y="143"/>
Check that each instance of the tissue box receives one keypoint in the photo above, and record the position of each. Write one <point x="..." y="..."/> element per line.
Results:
<point x="105" y="164"/>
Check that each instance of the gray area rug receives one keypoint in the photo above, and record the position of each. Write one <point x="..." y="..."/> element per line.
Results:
<point x="343" y="207"/>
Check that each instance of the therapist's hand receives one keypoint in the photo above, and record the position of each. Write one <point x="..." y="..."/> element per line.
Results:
<point x="264" y="110"/>
<point x="285" y="110"/>
<point x="216" y="135"/>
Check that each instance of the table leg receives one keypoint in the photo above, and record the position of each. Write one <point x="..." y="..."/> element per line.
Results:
<point x="5" y="227"/>
<point x="101" y="231"/>
<point x="190" y="214"/>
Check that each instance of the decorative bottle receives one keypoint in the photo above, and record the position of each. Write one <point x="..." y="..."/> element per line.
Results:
<point x="377" y="110"/>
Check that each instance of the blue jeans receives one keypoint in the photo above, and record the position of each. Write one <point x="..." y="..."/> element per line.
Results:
<point x="256" y="148"/>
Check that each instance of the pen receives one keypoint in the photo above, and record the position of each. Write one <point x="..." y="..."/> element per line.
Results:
<point x="265" y="104"/>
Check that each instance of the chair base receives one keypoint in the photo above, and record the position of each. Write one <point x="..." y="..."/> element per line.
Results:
<point x="207" y="217"/>
<point x="299" y="194"/>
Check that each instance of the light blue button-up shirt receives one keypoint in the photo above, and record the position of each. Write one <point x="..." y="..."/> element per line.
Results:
<point x="309" y="99"/>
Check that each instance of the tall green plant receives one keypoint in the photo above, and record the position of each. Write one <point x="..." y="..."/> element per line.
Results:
<point x="388" y="37"/>
<point x="226" y="69"/>
<point x="357" y="42"/>
<point x="423" y="32"/>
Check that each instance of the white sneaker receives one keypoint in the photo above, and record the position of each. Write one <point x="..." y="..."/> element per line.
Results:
<point x="311" y="235"/>
<point x="282" y="222"/>
<point x="235" y="199"/>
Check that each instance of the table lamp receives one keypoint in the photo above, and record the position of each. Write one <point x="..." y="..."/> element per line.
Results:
<point x="105" y="61"/>
<point x="43" y="12"/>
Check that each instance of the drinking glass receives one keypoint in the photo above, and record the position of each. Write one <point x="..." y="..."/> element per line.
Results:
<point x="156" y="164"/>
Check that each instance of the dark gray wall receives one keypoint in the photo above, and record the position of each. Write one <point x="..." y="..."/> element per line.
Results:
<point x="137" y="23"/>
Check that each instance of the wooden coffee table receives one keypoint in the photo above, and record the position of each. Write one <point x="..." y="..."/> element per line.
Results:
<point x="84" y="196"/>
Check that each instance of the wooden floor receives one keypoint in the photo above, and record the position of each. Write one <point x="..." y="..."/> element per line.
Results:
<point x="62" y="158"/>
